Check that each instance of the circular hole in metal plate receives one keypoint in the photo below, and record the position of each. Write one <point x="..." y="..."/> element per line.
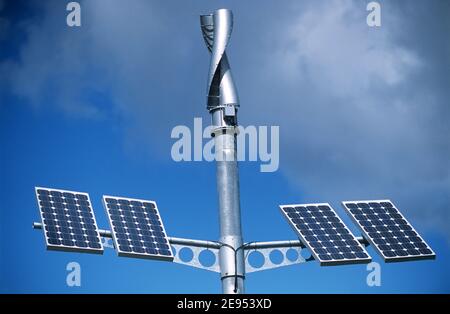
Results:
<point x="305" y="253"/>
<point x="256" y="259"/>
<point x="292" y="255"/>
<point x="186" y="254"/>
<point x="207" y="258"/>
<point x="276" y="257"/>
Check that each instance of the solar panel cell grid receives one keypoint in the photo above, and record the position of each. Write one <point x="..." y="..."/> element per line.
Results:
<point x="68" y="221"/>
<point x="137" y="228"/>
<point x="324" y="233"/>
<point x="388" y="230"/>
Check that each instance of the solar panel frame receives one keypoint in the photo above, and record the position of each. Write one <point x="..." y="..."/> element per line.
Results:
<point x="312" y="250"/>
<point x="388" y="259"/>
<point x="54" y="247"/>
<point x="136" y="254"/>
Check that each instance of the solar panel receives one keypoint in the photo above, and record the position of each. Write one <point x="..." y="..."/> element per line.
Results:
<point x="137" y="228"/>
<point x="68" y="221"/>
<point x="324" y="233"/>
<point x="388" y="231"/>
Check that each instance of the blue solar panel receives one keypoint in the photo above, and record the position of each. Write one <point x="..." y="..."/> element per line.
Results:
<point x="68" y="221"/>
<point x="388" y="231"/>
<point x="324" y="233"/>
<point x="137" y="228"/>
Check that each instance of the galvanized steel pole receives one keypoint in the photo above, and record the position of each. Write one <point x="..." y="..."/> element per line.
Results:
<point x="223" y="103"/>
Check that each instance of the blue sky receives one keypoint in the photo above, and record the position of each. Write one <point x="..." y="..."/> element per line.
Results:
<point x="363" y="114"/>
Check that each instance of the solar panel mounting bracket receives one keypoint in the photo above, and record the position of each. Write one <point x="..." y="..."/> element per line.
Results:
<point x="199" y="246"/>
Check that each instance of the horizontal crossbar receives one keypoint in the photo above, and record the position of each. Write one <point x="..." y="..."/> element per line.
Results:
<point x="218" y="245"/>
<point x="287" y="243"/>
<point x="172" y="240"/>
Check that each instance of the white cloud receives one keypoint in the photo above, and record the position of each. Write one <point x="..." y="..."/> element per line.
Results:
<point x="355" y="122"/>
<point x="124" y="53"/>
<point x="331" y="44"/>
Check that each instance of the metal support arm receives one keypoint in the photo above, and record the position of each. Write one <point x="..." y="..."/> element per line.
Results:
<point x="288" y="243"/>
<point x="172" y="240"/>
<point x="266" y="249"/>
